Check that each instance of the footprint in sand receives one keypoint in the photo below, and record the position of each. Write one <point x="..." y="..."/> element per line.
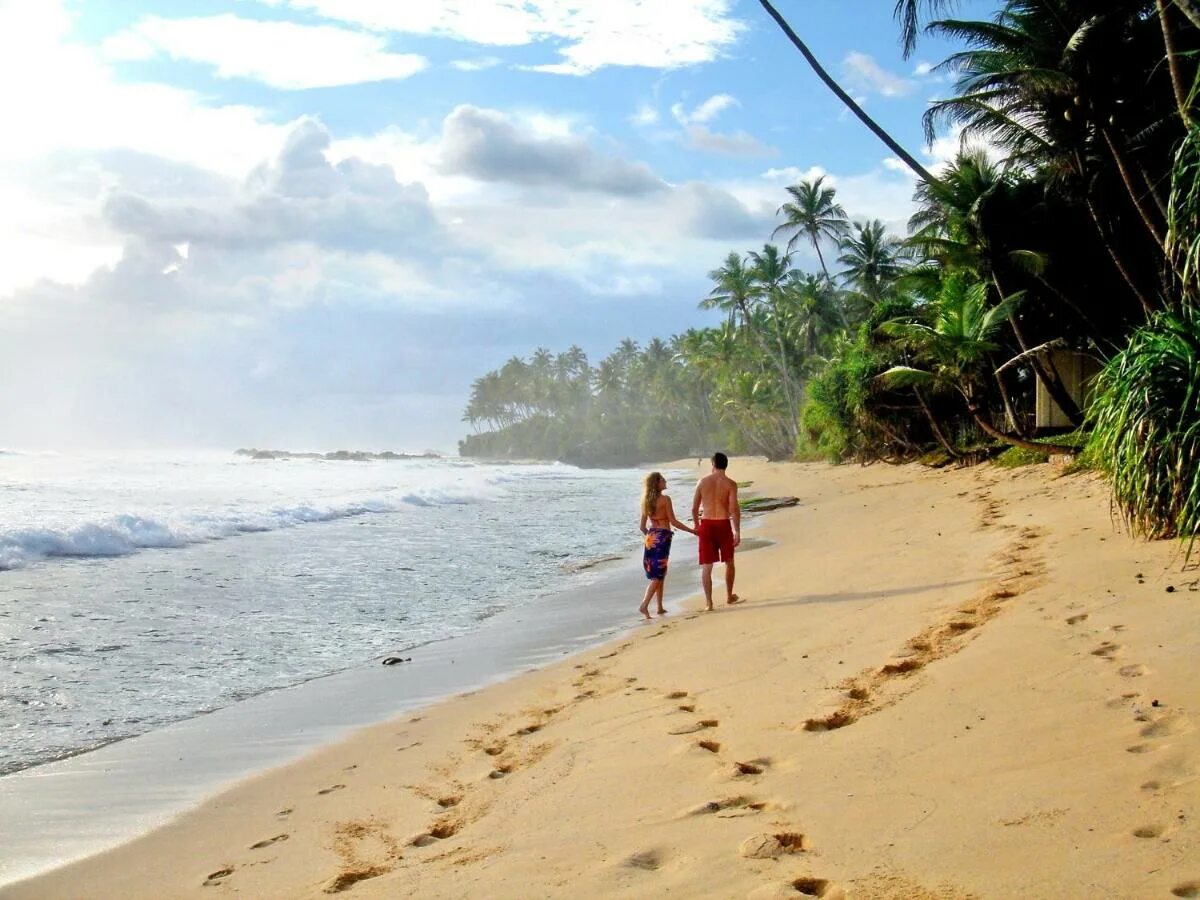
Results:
<point x="1187" y="889"/>
<point x="805" y="886"/>
<point x="687" y="707"/>
<point x="1162" y="727"/>
<point x="449" y="801"/>
<point x="283" y="813"/>
<point x="727" y="808"/>
<point x="1075" y="620"/>
<point x="1148" y="831"/>
<point x="500" y="771"/>
<point x="269" y="841"/>
<point x="331" y="789"/>
<point x="646" y="860"/>
<point x="772" y="846"/>
<point x="1107" y="650"/>
<point x="1133" y="671"/>
<point x="753" y="767"/>
<point x="346" y="880"/>
<point x="837" y="719"/>
<point x="218" y="876"/>
<point x="697" y="726"/>
<point x="710" y="746"/>
<point x="677" y="695"/>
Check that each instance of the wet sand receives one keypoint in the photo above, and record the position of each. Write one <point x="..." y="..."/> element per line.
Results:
<point x="941" y="685"/>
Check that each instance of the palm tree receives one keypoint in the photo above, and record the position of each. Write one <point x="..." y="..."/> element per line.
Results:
<point x="956" y="348"/>
<point x="733" y="289"/>
<point x="818" y="313"/>
<point x="872" y="260"/>
<point x="1061" y="86"/>
<point x="815" y="214"/>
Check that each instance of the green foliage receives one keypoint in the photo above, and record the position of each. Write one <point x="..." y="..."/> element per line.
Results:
<point x="1146" y="427"/>
<point x="1015" y="457"/>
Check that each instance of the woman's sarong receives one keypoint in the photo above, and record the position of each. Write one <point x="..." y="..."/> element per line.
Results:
<point x="658" y="549"/>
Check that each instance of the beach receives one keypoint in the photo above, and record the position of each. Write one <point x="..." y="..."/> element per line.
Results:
<point x="942" y="684"/>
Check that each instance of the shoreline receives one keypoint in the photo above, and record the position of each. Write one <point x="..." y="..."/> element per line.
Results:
<point x="940" y="685"/>
<point x="148" y="780"/>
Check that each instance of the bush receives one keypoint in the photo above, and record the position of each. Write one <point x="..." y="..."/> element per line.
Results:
<point x="1146" y="427"/>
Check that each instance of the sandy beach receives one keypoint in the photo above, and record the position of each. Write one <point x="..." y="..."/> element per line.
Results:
<point x="942" y="684"/>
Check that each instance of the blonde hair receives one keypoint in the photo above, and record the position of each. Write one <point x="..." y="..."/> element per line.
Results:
<point x="651" y="492"/>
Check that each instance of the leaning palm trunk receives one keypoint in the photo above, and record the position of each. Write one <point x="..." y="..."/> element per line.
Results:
<point x="934" y="426"/>
<point x="988" y="428"/>
<point x="1147" y="308"/>
<point x="908" y="158"/>
<point x="1135" y="195"/>
<point x="1046" y="371"/>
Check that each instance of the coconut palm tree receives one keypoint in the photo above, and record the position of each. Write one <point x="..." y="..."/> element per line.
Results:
<point x="733" y="290"/>
<point x="813" y="213"/>
<point x="872" y="260"/>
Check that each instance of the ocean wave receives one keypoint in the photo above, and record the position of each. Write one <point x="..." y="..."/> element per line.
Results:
<point x="123" y="535"/>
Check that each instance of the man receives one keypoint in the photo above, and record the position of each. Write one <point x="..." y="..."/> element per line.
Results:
<point x="720" y="529"/>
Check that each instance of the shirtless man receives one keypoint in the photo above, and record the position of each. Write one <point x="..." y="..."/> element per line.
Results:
<point x="720" y="530"/>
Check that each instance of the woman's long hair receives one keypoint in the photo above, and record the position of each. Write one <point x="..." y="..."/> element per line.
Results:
<point x="651" y="492"/>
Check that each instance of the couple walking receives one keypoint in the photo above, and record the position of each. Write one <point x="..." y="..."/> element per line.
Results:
<point x="718" y="525"/>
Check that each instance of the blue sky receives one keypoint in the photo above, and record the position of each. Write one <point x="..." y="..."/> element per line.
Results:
<point x="312" y="223"/>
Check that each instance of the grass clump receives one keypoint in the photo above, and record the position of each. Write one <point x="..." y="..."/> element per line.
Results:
<point x="1015" y="457"/>
<point x="1146" y="427"/>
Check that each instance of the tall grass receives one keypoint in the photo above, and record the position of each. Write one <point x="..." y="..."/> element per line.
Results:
<point x="1146" y="427"/>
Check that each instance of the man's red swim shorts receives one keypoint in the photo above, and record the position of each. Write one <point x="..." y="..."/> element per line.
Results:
<point x="715" y="537"/>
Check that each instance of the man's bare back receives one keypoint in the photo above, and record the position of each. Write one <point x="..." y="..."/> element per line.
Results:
<point x="718" y="518"/>
<point x="717" y="497"/>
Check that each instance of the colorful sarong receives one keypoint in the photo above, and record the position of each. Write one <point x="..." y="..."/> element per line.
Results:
<point x="657" y="552"/>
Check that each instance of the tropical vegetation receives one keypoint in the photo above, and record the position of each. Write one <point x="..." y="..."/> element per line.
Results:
<point x="1068" y="225"/>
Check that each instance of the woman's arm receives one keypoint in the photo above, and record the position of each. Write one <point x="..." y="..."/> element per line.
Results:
<point x="642" y="522"/>
<point x="674" y="521"/>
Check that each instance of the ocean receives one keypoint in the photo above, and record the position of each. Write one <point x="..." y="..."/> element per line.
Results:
<point x="138" y="590"/>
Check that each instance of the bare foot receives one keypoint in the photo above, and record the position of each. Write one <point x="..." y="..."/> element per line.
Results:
<point x="645" y="611"/>
<point x="708" y="608"/>
<point x="732" y="600"/>
<point x="660" y="611"/>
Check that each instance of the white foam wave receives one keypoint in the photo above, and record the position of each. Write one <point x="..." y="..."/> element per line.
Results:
<point x="123" y="535"/>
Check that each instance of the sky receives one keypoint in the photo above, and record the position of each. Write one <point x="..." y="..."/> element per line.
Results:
<point x="311" y="224"/>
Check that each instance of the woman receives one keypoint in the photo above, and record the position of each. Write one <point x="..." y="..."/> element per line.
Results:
<point x="659" y="512"/>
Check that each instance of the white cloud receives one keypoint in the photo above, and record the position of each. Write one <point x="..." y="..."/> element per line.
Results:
<point x="478" y="64"/>
<point x="703" y="112"/>
<point x="281" y="54"/>
<point x="661" y="34"/>
<point x="645" y="114"/>
<point x="867" y="75"/>
<point x="737" y="143"/>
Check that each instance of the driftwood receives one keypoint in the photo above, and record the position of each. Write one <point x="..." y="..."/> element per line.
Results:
<point x="766" y="504"/>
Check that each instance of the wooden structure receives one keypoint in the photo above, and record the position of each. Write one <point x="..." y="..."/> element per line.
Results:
<point x="1077" y="370"/>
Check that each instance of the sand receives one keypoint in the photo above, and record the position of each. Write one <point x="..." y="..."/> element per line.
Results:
<point x="944" y="684"/>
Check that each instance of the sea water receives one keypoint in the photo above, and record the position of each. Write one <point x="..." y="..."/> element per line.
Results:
<point x="141" y="589"/>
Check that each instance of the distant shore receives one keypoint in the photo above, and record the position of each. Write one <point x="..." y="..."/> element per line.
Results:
<point x="942" y="684"/>
<point x="339" y="455"/>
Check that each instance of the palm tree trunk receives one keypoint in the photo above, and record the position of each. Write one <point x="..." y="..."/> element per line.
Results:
<point x="1008" y="407"/>
<point x="1147" y="309"/>
<point x="1139" y="201"/>
<point x="1012" y="439"/>
<point x="1190" y="9"/>
<point x="821" y="257"/>
<point x="1173" y="63"/>
<point x="909" y="160"/>
<point x="934" y="426"/>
